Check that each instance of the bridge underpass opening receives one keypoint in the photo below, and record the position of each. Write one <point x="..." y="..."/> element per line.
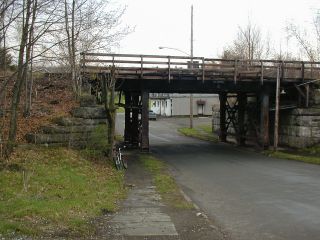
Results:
<point x="138" y="75"/>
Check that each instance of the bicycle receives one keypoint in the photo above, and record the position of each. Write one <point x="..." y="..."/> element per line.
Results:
<point x="119" y="160"/>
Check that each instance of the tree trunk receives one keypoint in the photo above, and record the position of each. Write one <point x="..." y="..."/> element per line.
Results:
<point x="108" y="92"/>
<point x="71" y="42"/>
<point x="29" y="56"/>
<point x="29" y="48"/>
<point x="3" y="94"/>
<point x="111" y="116"/>
<point x="19" y="82"/>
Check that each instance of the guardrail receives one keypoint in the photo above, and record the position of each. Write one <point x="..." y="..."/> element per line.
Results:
<point x="201" y="68"/>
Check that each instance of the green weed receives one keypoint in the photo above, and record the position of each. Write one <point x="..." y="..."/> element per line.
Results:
<point x="165" y="184"/>
<point x="203" y="132"/>
<point x="55" y="188"/>
<point x="296" y="157"/>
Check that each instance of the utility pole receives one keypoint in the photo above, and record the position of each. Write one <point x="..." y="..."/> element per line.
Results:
<point x="276" y="115"/>
<point x="191" y="55"/>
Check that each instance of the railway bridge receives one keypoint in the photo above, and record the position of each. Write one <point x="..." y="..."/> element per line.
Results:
<point x="249" y="90"/>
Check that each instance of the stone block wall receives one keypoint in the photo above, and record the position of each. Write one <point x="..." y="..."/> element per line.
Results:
<point x="85" y="123"/>
<point x="298" y="128"/>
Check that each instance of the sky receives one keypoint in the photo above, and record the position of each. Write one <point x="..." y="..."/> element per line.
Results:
<point x="216" y="22"/>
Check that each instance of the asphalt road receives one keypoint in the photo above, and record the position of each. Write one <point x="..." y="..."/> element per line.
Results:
<point x="249" y="195"/>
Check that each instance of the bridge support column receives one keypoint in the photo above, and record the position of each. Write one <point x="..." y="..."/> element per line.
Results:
<point x="145" y="120"/>
<point x="264" y="119"/>
<point x="128" y="118"/>
<point x="128" y="123"/>
<point x="135" y="119"/>
<point x="242" y="102"/>
<point x="223" y="127"/>
<point x="131" y="130"/>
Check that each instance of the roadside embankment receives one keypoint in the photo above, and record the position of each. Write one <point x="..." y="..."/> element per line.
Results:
<point x="55" y="192"/>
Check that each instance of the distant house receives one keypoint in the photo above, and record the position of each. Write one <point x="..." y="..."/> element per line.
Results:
<point x="179" y="104"/>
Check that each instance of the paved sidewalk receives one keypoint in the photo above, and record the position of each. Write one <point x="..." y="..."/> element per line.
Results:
<point x="144" y="216"/>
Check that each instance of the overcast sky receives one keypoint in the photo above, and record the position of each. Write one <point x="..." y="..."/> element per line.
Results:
<point x="167" y="23"/>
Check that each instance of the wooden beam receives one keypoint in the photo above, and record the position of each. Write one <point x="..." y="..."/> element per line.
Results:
<point x="145" y="121"/>
<point x="169" y="69"/>
<point x="307" y="86"/>
<point x="127" y="122"/>
<point x="203" y="70"/>
<point x="235" y="76"/>
<point x="264" y="119"/>
<point x="223" y="127"/>
<point x="300" y="91"/>
<point x="135" y="119"/>
<point x="242" y="102"/>
<point x="261" y="76"/>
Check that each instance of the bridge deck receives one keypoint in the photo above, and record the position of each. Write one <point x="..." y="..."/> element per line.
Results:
<point x="139" y="75"/>
<point x="168" y="68"/>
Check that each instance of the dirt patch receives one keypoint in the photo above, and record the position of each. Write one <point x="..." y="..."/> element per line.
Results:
<point x="50" y="98"/>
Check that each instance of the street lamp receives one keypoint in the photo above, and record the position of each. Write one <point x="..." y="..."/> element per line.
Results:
<point x="191" y="56"/>
<point x="191" y="95"/>
<point x="176" y="49"/>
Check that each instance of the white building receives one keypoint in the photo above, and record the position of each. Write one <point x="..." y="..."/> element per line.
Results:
<point x="179" y="104"/>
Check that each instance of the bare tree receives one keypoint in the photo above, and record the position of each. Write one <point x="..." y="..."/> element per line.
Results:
<point x="27" y="6"/>
<point x="307" y="39"/>
<point x="29" y="36"/>
<point x="54" y="31"/>
<point x="88" y="25"/>
<point x="249" y="44"/>
<point x="108" y="95"/>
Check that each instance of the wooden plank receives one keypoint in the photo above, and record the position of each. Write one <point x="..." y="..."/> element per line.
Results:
<point x="195" y="58"/>
<point x="249" y="72"/>
<point x="139" y="55"/>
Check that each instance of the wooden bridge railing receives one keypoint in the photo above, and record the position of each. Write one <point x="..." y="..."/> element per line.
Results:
<point x="134" y="66"/>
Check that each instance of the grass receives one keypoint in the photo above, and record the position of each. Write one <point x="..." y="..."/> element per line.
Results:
<point x="122" y="100"/>
<point x="299" y="156"/>
<point x="203" y="132"/>
<point x="164" y="183"/>
<point x="120" y="110"/>
<point x="314" y="150"/>
<point x="50" y="190"/>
